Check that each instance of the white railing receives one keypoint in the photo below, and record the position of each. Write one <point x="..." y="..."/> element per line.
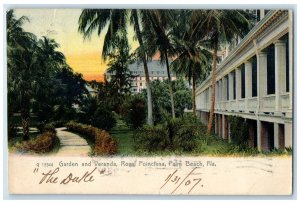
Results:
<point x="285" y="100"/>
<point x="232" y="105"/>
<point x="252" y="104"/>
<point x="225" y="105"/>
<point x="268" y="103"/>
<point x="217" y="106"/>
<point x="241" y="104"/>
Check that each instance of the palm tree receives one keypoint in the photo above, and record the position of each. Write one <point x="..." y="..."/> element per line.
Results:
<point x="21" y="47"/>
<point x="92" y="20"/>
<point x="194" y="67"/>
<point x="31" y="67"/>
<point x="221" y="26"/>
<point x="192" y="57"/>
<point x="158" y="38"/>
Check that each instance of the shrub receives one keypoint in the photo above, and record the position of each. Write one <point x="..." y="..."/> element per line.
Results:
<point x="152" y="138"/>
<point x="103" y="118"/>
<point x="239" y="131"/>
<point x="41" y="144"/>
<point x="58" y="123"/>
<point x="103" y="142"/>
<point x="134" y="111"/>
<point x="49" y="127"/>
<point x="177" y="134"/>
<point x="185" y="138"/>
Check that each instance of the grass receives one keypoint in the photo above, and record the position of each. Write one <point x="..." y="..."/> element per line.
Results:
<point x="214" y="146"/>
<point x="123" y="135"/>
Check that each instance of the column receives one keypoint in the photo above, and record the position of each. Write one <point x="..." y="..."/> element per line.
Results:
<point x="280" y="73"/>
<point x="276" y="135"/>
<point x="216" y="96"/>
<point x="220" y="95"/>
<point x="288" y="137"/>
<point x="261" y="76"/>
<point x="264" y="137"/>
<point x="230" y="78"/>
<point x="251" y="134"/>
<point x="226" y="127"/>
<point x="262" y="13"/>
<point x="248" y="81"/>
<point x="216" y="124"/>
<point x="209" y="97"/>
<point x="223" y="126"/>
<point x="204" y="99"/>
<point x="220" y="90"/>
<point x="225" y="84"/>
<point x="238" y="82"/>
<point x="279" y="136"/>
<point x="224" y="89"/>
<point x="223" y="93"/>
<point x="220" y="125"/>
<point x="259" y="135"/>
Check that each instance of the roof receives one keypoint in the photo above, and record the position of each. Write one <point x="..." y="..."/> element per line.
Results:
<point x="156" y="69"/>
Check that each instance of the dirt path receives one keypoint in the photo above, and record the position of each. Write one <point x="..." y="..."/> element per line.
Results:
<point x="71" y="144"/>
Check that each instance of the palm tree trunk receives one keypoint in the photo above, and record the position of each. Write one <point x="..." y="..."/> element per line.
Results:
<point x="170" y="86"/>
<point x="140" y="40"/>
<point x="194" y="90"/>
<point x="213" y="84"/>
<point x="25" y="117"/>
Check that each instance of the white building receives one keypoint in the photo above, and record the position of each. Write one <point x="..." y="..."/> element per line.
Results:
<point x="255" y="81"/>
<point x="156" y="71"/>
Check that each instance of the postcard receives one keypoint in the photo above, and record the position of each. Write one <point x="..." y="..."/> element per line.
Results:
<point x="150" y="101"/>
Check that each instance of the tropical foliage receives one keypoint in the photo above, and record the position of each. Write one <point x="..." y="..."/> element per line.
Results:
<point x="162" y="104"/>
<point x="39" y="80"/>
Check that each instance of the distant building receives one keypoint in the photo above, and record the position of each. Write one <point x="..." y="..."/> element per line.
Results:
<point x="138" y="83"/>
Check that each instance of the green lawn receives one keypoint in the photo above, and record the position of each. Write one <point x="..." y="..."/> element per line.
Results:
<point x="215" y="146"/>
<point x="123" y="135"/>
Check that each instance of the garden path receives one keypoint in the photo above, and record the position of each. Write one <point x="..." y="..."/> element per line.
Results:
<point x="71" y="144"/>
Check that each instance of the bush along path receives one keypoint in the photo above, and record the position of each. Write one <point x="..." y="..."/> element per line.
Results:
<point x="100" y="140"/>
<point x="71" y="144"/>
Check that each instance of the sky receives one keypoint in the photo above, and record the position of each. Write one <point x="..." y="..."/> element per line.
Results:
<point x="84" y="56"/>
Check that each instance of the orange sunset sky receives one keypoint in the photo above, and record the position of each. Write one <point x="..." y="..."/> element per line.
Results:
<point x="84" y="56"/>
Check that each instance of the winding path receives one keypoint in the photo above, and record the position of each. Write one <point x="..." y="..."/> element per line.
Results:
<point x="71" y="144"/>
